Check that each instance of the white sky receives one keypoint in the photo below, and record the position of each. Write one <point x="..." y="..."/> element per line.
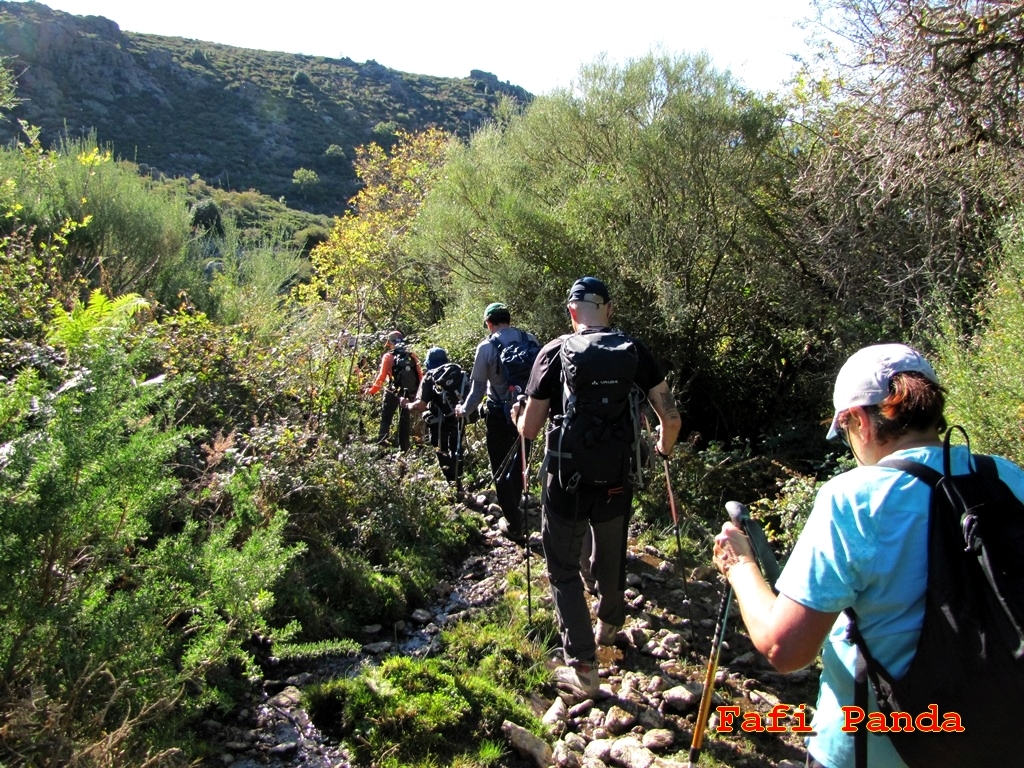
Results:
<point x="536" y="44"/>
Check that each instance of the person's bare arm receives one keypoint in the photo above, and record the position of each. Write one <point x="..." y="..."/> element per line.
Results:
<point x="664" y="405"/>
<point x="530" y="420"/>
<point x="789" y="634"/>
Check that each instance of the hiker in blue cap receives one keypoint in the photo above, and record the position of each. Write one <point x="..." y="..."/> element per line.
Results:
<point x="443" y="386"/>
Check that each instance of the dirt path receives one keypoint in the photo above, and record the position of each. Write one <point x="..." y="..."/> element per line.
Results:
<point x="651" y="678"/>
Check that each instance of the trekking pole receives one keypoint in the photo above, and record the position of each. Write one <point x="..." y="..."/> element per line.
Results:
<point x="505" y="463"/>
<point x="459" y="429"/>
<point x="740" y="517"/>
<point x="679" y="544"/>
<point x="526" y="526"/>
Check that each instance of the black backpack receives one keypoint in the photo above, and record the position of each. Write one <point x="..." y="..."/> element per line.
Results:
<point x="970" y="656"/>
<point x="450" y="384"/>
<point x="516" y="360"/>
<point x="403" y="371"/>
<point x="595" y="442"/>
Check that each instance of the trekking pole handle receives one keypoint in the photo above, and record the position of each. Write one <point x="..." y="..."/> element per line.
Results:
<point x="738" y="514"/>
<point x="518" y="405"/>
<point x="763" y="555"/>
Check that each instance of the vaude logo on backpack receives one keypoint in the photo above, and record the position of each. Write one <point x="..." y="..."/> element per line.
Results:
<point x="403" y="371"/>
<point x="595" y="442"/>
<point x="970" y="655"/>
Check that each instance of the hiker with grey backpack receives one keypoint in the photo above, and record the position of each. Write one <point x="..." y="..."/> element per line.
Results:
<point x="443" y="386"/>
<point x="908" y="578"/>
<point x="590" y="383"/>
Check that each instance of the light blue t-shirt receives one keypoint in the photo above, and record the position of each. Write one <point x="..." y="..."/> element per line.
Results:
<point x="865" y="546"/>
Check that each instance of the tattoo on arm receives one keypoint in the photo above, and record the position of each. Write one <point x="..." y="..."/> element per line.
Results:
<point x="668" y="403"/>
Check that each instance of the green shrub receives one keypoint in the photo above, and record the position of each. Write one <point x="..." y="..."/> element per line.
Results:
<point x="409" y="711"/>
<point x="128" y="236"/>
<point x="984" y="375"/>
<point x="379" y="533"/>
<point x="111" y="610"/>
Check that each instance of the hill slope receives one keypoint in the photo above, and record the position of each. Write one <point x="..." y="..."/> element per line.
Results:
<point x="239" y="118"/>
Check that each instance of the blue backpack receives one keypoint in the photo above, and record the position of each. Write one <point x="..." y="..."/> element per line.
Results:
<point x="516" y="359"/>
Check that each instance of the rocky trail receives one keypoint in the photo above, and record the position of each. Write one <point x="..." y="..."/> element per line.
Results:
<point x="651" y="680"/>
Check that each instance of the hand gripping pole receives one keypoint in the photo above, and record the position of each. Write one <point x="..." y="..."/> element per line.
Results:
<point x="740" y="517"/>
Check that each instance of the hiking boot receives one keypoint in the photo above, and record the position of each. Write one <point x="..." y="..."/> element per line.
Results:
<point x="581" y="680"/>
<point x="606" y="633"/>
<point x="511" y="533"/>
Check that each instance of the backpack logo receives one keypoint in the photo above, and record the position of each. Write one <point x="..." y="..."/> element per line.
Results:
<point x="969" y="658"/>
<point x="596" y="440"/>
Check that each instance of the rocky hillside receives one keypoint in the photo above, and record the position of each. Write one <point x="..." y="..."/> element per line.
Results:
<point x="239" y="118"/>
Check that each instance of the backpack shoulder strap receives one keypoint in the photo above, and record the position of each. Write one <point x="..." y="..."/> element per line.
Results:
<point x="860" y="685"/>
<point x="985" y="464"/>
<point x="915" y="468"/>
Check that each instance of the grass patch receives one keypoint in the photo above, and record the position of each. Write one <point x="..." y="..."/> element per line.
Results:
<point x="446" y="710"/>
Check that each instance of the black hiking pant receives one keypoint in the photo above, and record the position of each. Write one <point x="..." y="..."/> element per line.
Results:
<point x="444" y="436"/>
<point x="502" y="439"/>
<point x="387" y="415"/>
<point x="594" y="521"/>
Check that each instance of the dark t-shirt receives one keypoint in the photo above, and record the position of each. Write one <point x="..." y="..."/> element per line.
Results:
<point x="426" y="392"/>
<point x="546" y="377"/>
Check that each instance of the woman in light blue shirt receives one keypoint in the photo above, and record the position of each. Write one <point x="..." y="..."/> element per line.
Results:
<point x="864" y="546"/>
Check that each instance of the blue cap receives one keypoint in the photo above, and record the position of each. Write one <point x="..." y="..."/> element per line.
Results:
<point x="436" y="357"/>
<point x="589" y="289"/>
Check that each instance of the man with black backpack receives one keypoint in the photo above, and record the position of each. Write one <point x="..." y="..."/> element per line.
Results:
<point x="443" y="387"/>
<point x="591" y="383"/>
<point x="399" y="376"/>
<point x="910" y="571"/>
<point x="501" y="367"/>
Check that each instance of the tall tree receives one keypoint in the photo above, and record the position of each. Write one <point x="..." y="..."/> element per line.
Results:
<point x="666" y="179"/>
<point x="364" y="267"/>
<point x="913" y="149"/>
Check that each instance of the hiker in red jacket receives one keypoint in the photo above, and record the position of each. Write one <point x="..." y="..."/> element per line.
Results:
<point x="399" y="376"/>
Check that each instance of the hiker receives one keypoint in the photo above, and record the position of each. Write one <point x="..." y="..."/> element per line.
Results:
<point x="491" y="378"/>
<point x="399" y="376"/>
<point x="442" y="387"/>
<point x="864" y="545"/>
<point x="573" y="507"/>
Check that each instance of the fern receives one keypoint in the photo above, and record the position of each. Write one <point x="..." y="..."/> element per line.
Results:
<point x="78" y="327"/>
